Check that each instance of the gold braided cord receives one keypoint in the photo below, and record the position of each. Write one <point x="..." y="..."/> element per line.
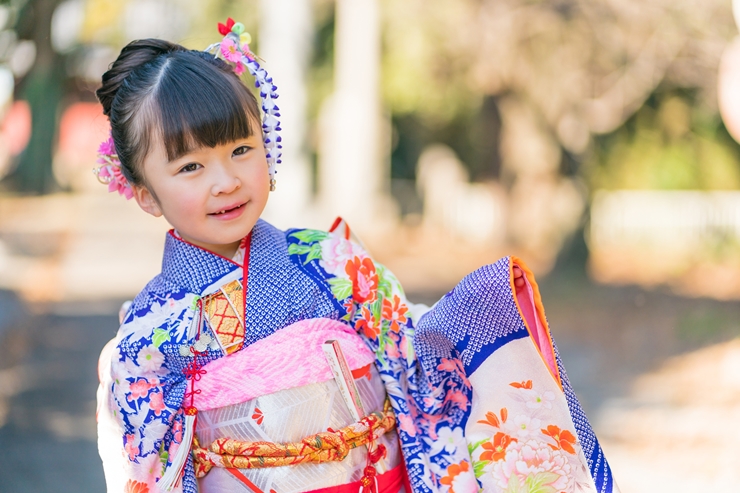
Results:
<point x="322" y="447"/>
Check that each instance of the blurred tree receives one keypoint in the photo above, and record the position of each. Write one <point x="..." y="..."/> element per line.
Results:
<point x="568" y="79"/>
<point x="42" y="88"/>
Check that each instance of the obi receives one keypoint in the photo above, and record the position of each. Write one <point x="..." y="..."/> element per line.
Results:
<point x="272" y="418"/>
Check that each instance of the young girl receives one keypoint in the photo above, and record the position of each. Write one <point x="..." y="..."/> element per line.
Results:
<point x="262" y="360"/>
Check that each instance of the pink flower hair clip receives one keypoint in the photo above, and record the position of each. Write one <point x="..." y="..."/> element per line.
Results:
<point x="109" y="172"/>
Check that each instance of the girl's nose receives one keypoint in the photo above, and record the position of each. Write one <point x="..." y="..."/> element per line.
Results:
<point x="226" y="182"/>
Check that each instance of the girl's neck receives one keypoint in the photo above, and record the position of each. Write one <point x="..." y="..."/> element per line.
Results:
<point x="224" y="250"/>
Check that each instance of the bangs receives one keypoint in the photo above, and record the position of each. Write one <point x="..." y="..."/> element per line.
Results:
<point x="200" y="105"/>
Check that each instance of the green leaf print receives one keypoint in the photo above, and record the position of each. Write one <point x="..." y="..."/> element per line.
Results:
<point x="295" y="249"/>
<point x="314" y="253"/>
<point x="160" y="336"/>
<point x="163" y="457"/>
<point x="541" y="482"/>
<point x="377" y="308"/>
<point x="341" y="288"/>
<point x="479" y="466"/>
<point x="473" y="446"/>
<point x="310" y="235"/>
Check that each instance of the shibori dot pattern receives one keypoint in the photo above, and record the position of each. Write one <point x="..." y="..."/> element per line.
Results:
<point x="234" y="48"/>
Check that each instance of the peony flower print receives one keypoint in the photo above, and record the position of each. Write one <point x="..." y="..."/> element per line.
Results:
<point x="532" y="466"/>
<point x="336" y="252"/>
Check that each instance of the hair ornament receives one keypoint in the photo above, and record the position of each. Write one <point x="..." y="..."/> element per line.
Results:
<point x="234" y="48"/>
<point x="109" y="172"/>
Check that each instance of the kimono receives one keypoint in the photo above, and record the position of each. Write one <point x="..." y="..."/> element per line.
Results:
<point x="475" y="383"/>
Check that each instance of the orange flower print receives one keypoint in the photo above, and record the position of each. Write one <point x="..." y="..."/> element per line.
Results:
<point x="496" y="449"/>
<point x="258" y="416"/>
<point x="492" y="419"/>
<point x="135" y="487"/>
<point x="364" y="279"/>
<point x="563" y="438"/>
<point x="459" y="478"/>
<point x="522" y="385"/>
<point x="367" y="324"/>
<point x="395" y="312"/>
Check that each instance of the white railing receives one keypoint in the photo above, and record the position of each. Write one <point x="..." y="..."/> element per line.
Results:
<point x="679" y="219"/>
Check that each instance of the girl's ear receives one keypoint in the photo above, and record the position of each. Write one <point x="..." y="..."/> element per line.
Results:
<point x="146" y="200"/>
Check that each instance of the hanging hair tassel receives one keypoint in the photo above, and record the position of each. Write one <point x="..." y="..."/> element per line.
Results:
<point x="173" y="474"/>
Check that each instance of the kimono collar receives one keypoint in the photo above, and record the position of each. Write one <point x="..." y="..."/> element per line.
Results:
<point x="195" y="268"/>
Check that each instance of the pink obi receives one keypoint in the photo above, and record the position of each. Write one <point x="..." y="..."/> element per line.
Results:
<point x="281" y="389"/>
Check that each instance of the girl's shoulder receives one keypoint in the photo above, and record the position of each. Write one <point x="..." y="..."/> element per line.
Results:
<point x="160" y="306"/>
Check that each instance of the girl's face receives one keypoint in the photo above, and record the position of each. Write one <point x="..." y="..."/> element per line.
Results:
<point x="211" y="196"/>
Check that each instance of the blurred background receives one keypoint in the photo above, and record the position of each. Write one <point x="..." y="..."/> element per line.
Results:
<point x="595" y="139"/>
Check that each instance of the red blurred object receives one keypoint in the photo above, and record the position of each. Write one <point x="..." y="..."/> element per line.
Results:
<point x="16" y="127"/>
<point x="81" y="130"/>
<point x="226" y="29"/>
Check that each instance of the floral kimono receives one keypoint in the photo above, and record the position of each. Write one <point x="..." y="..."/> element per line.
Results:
<point x="474" y="386"/>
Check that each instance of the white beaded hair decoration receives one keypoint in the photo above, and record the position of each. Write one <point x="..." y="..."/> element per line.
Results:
<point x="234" y="48"/>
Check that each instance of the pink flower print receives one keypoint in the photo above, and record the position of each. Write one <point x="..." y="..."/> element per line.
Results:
<point x="392" y="349"/>
<point x="457" y="397"/>
<point x="172" y="451"/>
<point x="532" y="462"/>
<point x="177" y="431"/>
<point x="156" y="403"/>
<point x="131" y="449"/>
<point x="404" y="345"/>
<point x="451" y="365"/>
<point x="149" y="470"/>
<point x="406" y="423"/>
<point x="336" y="252"/>
<point x="140" y="388"/>
<point x="525" y="426"/>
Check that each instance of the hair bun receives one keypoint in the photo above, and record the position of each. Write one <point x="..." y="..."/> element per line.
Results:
<point x="134" y="55"/>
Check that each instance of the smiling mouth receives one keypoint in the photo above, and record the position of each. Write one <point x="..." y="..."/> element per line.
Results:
<point x="228" y="210"/>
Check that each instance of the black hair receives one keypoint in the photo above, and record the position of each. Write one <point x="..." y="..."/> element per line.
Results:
<point x="185" y="98"/>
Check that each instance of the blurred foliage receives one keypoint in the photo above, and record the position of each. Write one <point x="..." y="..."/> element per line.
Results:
<point x="672" y="142"/>
<point x="627" y="89"/>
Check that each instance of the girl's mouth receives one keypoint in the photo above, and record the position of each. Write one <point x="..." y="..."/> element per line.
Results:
<point x="230" y="212"/>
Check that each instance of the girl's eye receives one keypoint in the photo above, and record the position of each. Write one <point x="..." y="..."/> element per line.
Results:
<point x="189" y="167"/>
<point x="241" y="150"/>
